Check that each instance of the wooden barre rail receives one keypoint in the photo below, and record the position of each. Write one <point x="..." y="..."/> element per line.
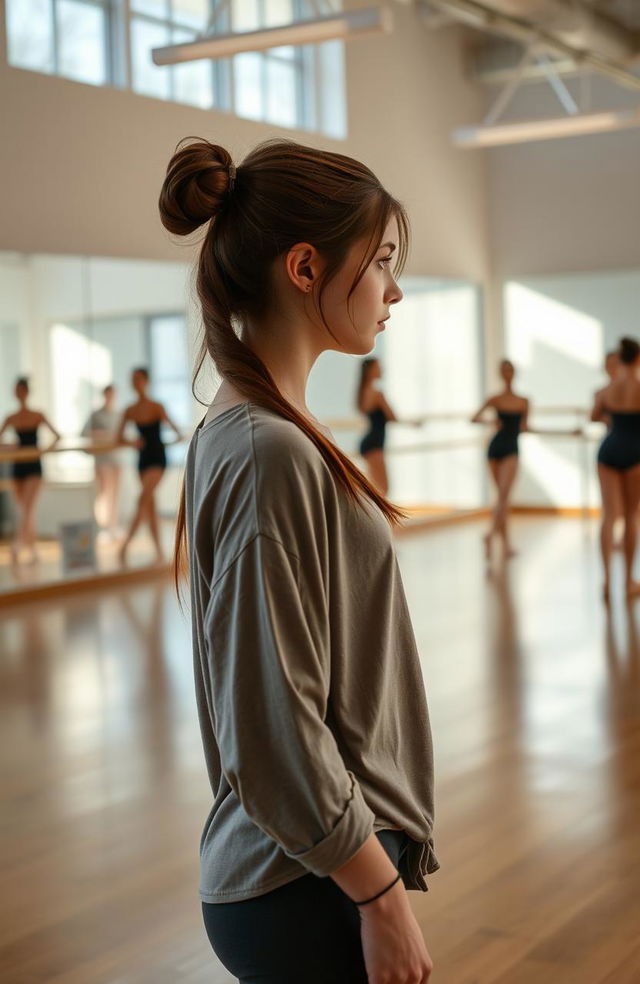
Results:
<point x="10" y="453"/>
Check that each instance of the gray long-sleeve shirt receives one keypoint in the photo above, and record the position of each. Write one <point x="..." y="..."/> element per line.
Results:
<point x="310" y="694"/>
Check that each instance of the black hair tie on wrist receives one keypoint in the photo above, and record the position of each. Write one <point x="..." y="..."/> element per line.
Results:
<point x="374" y="897"/>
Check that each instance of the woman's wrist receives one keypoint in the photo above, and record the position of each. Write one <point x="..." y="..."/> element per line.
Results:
<point x="383" y="891"/>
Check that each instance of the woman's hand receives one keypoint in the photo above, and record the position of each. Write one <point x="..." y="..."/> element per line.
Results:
<point x="392" y="942"/>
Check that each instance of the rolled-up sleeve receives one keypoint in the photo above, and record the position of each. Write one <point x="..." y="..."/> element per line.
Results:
<point x="269" y="672"/>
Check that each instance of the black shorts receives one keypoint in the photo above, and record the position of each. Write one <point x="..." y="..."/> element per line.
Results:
<point x="305" y="932"/>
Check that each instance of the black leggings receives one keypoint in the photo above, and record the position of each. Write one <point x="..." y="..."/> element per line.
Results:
<point x="305" y="932"/>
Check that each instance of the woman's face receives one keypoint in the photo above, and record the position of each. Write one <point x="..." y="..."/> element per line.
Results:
<point x="139" y="381"/>
<point x="611" y="364"/>
<point x="356" y="321"/>
<point x="22" y="392"/>
<point x="507" y="372"/>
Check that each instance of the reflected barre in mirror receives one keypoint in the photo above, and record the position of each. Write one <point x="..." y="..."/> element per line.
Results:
<point x="67" y="518"/>
<point x="70" y="542"/>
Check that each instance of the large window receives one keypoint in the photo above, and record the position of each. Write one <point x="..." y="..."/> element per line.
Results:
<point x="63" y="37"/>
<point x="105" y="42"/>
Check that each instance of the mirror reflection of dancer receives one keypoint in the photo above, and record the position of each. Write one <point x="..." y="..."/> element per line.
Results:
<point x="372" y="403"/>
<point x="619" y="460"/>
<point x="101" y="428"/>
<point x="148" y="416"/>
<point x="512" y="413"/>
<point x="611" y="365"/>
<point x="27" y="475"/>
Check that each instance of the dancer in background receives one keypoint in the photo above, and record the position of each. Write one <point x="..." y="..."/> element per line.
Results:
<point x="512" y="412"/>
<point x="148" y="416"/>
<point x="101" y="428"/>
<point x="619" y="460"/>
<point x="27" y="475"/>
<point x="371" y="402"/>
<point x="611" y="366"/>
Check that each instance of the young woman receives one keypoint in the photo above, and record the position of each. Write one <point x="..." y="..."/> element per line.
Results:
<point x="371" y="402"/>
<point x="512" y="413"/>
<point x="619" y="460"/>
<point x="148" y="416"/>
<point x="312" y="706"/>
<point x="101" y="427"/>
<point x="27" y="475"/>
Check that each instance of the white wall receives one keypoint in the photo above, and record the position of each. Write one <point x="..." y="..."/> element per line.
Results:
<point x="570" y="204"/>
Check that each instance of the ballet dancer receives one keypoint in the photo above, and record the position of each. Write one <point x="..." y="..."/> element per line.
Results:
<point x="148" y="416"/>
<point x="611" y="365"/>
<point x="101" y="427"/>
<point x="27" y="475"/>
<point x="619" y="461"/>
<point x="512" y="414"/>
<point x="315" y="731"/>
<point x="372" y="403"/>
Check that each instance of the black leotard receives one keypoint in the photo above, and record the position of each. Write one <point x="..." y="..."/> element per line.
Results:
<point x="25" y="469"/>
<point x="621" y="447"/>
<point x="505" y="441"/>
<point x="152" y="454"/>
<point x="374" y="438"/>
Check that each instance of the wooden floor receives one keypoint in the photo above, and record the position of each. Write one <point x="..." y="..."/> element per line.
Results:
<point x="535" y="703"/>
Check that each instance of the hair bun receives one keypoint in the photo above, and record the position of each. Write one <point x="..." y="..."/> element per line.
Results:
<point x="196" y="184"/>
<point x="628" y="350"/>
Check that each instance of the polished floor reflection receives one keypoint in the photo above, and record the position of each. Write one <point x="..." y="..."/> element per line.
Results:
<point x="535" y="703"/>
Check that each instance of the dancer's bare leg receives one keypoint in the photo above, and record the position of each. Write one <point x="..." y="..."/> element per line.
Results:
<point x="149" y="479"/>
<point x="494" y="469"/>
<point x="115" y="474"/>
<point x="507" y="475"/>
<point x="107" y="499"/>
<point x="504" y="474"/>
<point x="137" y="518"/>
<point x="100" y="507"/>
<point x="31" y="488"/>
<point x="377" y="470"/>
<point x="18" y="492"/>
<point x="154" y="526"/>
<point x="611" y="491"/>
<point x="631" y="499"/>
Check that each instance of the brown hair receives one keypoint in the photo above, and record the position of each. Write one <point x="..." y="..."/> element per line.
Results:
<point x="283" y="193"/>
<point x="628" y="350"/>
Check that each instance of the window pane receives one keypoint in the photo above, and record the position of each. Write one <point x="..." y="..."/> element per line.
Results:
<point x="278" y="12"/>
<point x="245" y="15"/>
<point x="81" y="41"/>
<point x="169" y="349"/>
<point x="191" y="13"/>
<point x="333" y="104"/>
<point x="247" y="69"/>
<point x="287" y="52"/>
<point x="30" y="34"/>
<point x="156" y="8"/>
<point x="192" y="81"/>
<point x="281" y="92"/>
<point x="149" y="79"/>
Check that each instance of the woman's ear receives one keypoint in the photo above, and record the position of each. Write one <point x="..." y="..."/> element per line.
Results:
<point x="303" y="265"/>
